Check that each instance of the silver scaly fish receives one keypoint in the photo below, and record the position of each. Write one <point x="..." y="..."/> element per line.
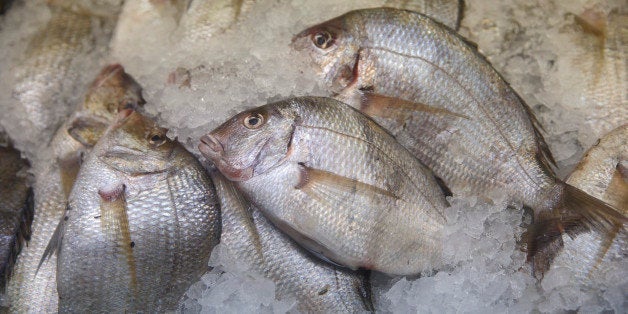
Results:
<point x="33" y="288"/>
<point x="318" y="286"/>
<point x="336" y="182"/>
<point x="446" y="104"/>
<point x="141" y="221"/>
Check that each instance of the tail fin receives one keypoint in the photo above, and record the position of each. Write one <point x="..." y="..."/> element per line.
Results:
<point x="576" y="212"/>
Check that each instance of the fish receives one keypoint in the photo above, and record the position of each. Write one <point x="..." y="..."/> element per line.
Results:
<point x="335" y="182"/>
<point x="16" y="207"/>
<point x="51" y="71"/>
<point x="318" y="287"/>
<point x="448" y="12"/>
<point x="603" y="173"/>
<point x="139" y="226"/>
<point x="33" y="287"/>
<point x="443" y="101"/>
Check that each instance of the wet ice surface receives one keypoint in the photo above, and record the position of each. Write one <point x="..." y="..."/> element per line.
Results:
<point x="194" y="85"/>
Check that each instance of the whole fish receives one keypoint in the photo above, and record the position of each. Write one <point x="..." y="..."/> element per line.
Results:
<point x="336" y="182"/>
<point x="603" y="173"/>
<point x="51" y="71"/>
<point x="318" y="286"/>
<point x="16" y="208"/>
<point x="33" y="288"/>
<point x="445" y="103"/>
<point x="141" y="221"/>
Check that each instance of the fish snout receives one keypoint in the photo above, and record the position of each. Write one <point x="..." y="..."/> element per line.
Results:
<point x="210" y="146"/>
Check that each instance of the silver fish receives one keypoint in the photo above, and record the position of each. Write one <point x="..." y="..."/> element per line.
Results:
<point x="34" y="286"/>
<point x="445" y="103"/>
<point x="318" y="286"/>
<point x="51" y="71"/>
<point x="16" y="208"/>
<point x="603" y="173"/>
<point x="141" y="221"/>
<point x="336" y="182"/>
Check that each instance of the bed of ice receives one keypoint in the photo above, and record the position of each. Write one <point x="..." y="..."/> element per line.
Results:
<point x="195" y="80"/>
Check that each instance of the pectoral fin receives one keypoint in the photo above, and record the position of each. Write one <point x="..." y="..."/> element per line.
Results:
<point x="115" y="224"/>
<point x="87" y="130"/>
<point x="320" y="183"/>
<point x="396" y="108"/>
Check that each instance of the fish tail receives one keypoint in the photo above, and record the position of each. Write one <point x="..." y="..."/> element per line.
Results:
<point x="575" y="212"/>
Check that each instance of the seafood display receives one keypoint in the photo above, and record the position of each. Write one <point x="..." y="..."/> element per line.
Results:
<point x="323" y="156"/>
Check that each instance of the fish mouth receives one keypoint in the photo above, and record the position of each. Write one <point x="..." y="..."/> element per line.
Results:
<point x="213" y="150"/>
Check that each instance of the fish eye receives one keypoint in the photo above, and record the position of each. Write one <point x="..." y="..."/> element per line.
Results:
<point x="323" y="39"/>
<point x="156" y="139"/>
<point x="253" y="121"/>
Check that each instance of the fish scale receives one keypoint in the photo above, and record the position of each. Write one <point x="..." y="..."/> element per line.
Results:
<point x="364" y="201"/>
<point x="249" y="237"/>
<point x="146" y="261"/>
<point x="33" y="289"/>
<point x="446" y="104"/>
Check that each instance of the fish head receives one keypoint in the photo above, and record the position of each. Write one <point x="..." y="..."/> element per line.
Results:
<point x="333" y="48"/>
<point x="134" y="144"/>
<point x="250" y="143"/>
<point x="112" y="90"/>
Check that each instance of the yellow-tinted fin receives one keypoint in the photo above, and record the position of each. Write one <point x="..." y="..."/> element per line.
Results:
<point x="115" y="224"/>
<point x="68" y="169"/>
<point x="577" y="212"/>
<point x="87" y="130"/>
<point x="312" y="179"/>
<point x="376" y="105"/>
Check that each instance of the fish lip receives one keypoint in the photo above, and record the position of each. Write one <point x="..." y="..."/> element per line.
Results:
<point x="230" y="172"/>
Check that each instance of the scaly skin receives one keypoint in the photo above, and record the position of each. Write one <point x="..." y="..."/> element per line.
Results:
<point x="33" y="290"/>
<point x="142" y="220"/>
<point x="336" y="182"/>
<point x="318" y="286"/>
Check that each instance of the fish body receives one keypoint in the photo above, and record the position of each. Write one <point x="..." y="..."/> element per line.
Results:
<point x="141" y="221"/>
<point x="334" y="181"/>
<point x="34" y="286"/>
<point x="318" y="286"/>
<point x="603" y="173"/>
<point x="444" y="102"/>
<point x="16" y="209"/>
<point x="51" y="70"/>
